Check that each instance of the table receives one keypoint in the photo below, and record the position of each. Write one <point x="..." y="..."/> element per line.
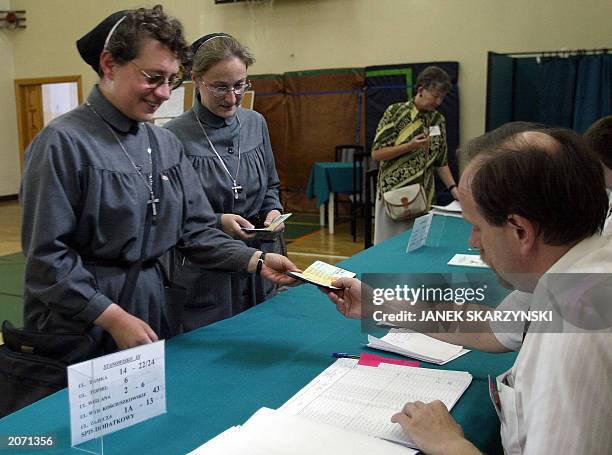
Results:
<point x="218" y="376"/>
<point x="325" y="180"/>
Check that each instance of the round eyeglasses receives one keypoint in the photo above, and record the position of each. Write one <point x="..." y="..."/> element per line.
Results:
<point x="222" y="91"/>
<point x="156" y="80"/>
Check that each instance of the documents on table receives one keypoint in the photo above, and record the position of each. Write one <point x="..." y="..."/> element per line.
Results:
<point x="467" y="260"/>
<point x="417" y="345"/>
<point x="321" y="274"/>
<point x="273" y="225"/>
<point x="270" y="432"/>
<point x="363" y="399"/>
<point x="345" y="410"/>
<point x="452" y="209"/>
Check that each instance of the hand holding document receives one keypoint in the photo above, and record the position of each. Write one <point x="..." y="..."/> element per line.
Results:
<point x="276" y="222"/>
<point x="417" y="345"/>
<point x="321" y="274"/>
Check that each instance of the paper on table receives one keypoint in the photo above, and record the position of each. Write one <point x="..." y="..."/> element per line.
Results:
<point x="452" y="209"/>
<point x="417" y="345"/>
<point x="467" y="260"/>
<point x="270" y="432"/>
<point x="321" y="274"/>
<point x="363" y="399"/>
<point x="273" y="225"/>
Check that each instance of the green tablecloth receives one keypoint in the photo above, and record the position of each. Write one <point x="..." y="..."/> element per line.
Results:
<point x="328" y="178"/>
<point x="220" y="375"/>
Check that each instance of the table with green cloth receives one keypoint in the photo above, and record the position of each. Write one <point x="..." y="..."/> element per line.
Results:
<point x="219" y="375"/>
<point x="325" y="180"/>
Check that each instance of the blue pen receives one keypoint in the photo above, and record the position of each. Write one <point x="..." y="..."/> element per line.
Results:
<point x="344" y="355"/>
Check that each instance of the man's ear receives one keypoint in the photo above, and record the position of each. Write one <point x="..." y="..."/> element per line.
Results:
<point x="107" y="65"/>
<point x="525" y="232"/>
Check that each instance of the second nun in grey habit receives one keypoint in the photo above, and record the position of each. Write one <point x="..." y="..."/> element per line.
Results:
<point x="230" y="149"/>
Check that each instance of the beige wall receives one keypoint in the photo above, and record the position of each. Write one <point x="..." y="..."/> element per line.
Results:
<point x="9" y="144"/>
<point x="312" y="34"/>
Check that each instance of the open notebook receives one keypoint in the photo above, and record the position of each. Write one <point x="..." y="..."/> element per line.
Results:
<point x="345" y="410"/>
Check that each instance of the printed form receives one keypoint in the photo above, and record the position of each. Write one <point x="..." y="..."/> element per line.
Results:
<point x="363" y="398"/>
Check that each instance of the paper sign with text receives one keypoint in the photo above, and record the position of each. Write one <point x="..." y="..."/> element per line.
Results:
<point x="420" y="231"/>
<point x="116" y="391"/>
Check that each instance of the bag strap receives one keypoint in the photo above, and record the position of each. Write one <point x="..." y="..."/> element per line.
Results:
<point x="132" y="276"/>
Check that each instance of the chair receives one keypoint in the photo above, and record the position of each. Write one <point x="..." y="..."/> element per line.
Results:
<point x="371" y="178"/>
<point x="360" y="159"/>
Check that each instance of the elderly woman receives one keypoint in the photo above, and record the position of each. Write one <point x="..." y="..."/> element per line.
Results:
<point x="105" y="194"/>
<point x="230" y="150"/>
<point x="410" y="143"/>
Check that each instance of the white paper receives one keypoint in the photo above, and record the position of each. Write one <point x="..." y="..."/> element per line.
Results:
<point x="453" y="209"/>
<point x="434" y="131"/>
<point x="467" y="260"/>
<point x="417" y="345"/>
<point x="116" y="391"/>
<point x="270" y="432"/>
<point x="363" y="398"/>
<point x="420" y="231"/>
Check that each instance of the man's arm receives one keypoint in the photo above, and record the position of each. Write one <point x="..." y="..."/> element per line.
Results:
<point x="476" y="335"/>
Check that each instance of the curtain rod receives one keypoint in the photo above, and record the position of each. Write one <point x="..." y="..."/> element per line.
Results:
<point x="603" y="50"/>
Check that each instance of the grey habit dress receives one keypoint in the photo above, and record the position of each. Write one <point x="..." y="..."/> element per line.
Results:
<point x="211" y="295"/>
<point x="84" y="209"/>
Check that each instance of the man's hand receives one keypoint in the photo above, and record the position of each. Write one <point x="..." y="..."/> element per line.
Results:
<point x="128" y="331"/>
<point x="275" y="269"/>
<point x="432" y="428"/>
<point x="232" y="225"/>
<point x="347" y="299"/>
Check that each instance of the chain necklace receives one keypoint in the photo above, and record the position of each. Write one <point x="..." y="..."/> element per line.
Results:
<point x="147" y="181"/>
<point x="237" y="189"/>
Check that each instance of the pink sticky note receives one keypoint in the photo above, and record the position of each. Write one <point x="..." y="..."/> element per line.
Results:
<point x="373" y="360"/>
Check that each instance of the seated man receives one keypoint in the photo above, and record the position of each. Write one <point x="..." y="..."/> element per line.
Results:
<point x="530" y="225"/>
<point x="599" y="138"/>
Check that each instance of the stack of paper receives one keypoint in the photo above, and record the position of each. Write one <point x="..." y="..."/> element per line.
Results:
<point x="345" y="410"/>
<point x="467" y="260"/>
<point x="416" y="345"/>
<point x="452" y="209"/>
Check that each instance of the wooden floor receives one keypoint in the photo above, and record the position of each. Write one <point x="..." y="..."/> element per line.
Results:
<point x="10" y="228"/>
<point x="303" y="251"/>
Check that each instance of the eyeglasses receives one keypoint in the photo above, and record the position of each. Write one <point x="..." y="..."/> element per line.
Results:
<point x="221" y="92"/>
<point x="156" y="80"/>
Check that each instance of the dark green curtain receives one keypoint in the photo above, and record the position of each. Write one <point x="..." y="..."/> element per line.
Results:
<point x="576" y="90"/>
<point x="593" y="90"/>
<point x="558" y="91"/>
<point x="571" y="92"/>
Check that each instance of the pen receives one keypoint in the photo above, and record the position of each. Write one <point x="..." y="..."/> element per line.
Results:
<point x="344" y="355"/>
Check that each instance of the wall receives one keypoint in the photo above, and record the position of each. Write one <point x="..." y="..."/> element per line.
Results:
<point x="313" y="34"/>
<point x="10" y="171"/>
